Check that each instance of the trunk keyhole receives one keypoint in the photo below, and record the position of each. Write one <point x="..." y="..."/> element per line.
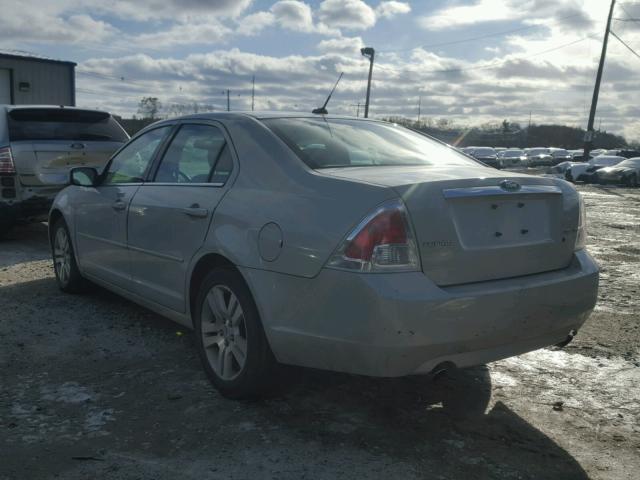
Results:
<point x="498" y="234"/>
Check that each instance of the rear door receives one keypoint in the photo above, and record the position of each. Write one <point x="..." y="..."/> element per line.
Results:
<point x="47" y="142"/>
<point x="101" y="211"/>
<point x="169" y="216"/>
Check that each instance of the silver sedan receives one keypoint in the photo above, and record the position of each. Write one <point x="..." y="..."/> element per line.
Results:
<point x="335" y="243"/>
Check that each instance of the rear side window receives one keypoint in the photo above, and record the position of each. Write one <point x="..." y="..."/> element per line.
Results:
<point x="63" y="124"/>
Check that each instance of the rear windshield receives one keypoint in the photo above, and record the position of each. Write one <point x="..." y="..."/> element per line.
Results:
<point x="331" y="143"/>
<point x="538" y="151"/>
<point x="63" y="124"/>
<point x="484" y="151"/>
<point x="513" y="153"/>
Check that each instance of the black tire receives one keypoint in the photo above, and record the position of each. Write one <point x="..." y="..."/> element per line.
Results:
<point x="5" y="228"/>
<point x="632" y="180"/>
<point x="258" y="373"/>
<point x="68" y="275"/>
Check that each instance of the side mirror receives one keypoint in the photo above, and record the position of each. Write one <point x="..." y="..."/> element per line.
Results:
<point x="83" y="176"/>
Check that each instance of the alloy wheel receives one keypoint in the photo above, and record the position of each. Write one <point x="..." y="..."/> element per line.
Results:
<point x="224" y="333"/>
<point x="62" y="255"/>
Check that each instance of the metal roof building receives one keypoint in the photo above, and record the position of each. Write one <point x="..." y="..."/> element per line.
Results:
<point x="27" y="80"/>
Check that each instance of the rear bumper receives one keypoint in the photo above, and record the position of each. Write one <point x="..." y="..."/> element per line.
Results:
<point x="27" y="203"/>
<point x="401" y="324"/>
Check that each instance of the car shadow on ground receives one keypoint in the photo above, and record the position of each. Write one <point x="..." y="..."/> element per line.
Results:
<point x="447" y="423"/>
<point x="162" y="408"/>
<point x="24" y="243"/>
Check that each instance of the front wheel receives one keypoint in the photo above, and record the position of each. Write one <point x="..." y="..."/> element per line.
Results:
<point x="64" y="262"/>
<point x="230" y="338"/>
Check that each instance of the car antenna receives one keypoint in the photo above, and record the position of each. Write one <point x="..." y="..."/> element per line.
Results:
<point x="323" y="109"/>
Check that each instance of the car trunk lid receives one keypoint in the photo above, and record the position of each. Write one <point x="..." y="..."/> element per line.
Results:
<point x="49" y="162"/>
<point x="473" y="225"/>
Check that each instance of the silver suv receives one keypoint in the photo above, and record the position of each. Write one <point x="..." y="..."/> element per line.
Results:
<point x="38" y="147"/>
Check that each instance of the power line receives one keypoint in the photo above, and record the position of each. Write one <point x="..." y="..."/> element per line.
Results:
<point x="623" y="43"/>
<point x="479" y="37"/>
<point x="498" y="63"/>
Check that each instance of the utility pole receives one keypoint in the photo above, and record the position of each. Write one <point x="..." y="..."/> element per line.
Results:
<point x="357" y="105"/>
<point x="419" y="105"/>
<point x="253" y="92"/>
<point x="228" y="101"/>
<point x="588" y="137"/>
<point x="370" y="54"/>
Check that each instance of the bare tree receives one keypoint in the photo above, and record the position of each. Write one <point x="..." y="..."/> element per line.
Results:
<point x="149" y="107"/>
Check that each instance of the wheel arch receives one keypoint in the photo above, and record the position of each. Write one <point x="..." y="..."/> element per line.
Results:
<point x="55" y="215"/>
<point x="201" y="268"/>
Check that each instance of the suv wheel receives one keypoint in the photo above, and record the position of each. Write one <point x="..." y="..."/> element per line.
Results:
<point x="64" y="261"/>
<point x="230" y="338"/>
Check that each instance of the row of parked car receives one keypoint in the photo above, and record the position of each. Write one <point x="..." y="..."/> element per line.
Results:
<point x="603" y="169"/>
<point x="501" y="157"/>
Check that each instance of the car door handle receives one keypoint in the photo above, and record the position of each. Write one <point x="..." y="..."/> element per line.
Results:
<point x="195" y="211"/>
<point x="119" y="205"/>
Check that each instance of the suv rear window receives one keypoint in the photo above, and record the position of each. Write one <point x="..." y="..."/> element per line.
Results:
<point x="63" y="124"/>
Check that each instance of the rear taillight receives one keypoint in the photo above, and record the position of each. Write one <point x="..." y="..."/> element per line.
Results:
<point x="6" y="161"/>
<point x="382" y="242"/>
<point x="581" y="237"/>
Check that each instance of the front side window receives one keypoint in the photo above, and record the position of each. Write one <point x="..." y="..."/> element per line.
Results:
<point x="132" y="162"/>
<point x="330" y="143"/>
<point x="192" y="155"/>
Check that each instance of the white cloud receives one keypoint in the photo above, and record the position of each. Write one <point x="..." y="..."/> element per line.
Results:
<point x="255" y="23"/>
<point x="185" y="34"/>
<point x="294" y="15"/>
<point x="183" y="10"/>
<point x="346" y="45"/>
<point x="31" y="25"/>
<point x="349" y="14"/>
<point x="390" y="9"/>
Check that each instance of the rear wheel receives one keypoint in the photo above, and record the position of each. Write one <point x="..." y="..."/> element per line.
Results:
<point x="229" y="336"/>
<point x="64" y="262"/>
<point x="632" y="181"/>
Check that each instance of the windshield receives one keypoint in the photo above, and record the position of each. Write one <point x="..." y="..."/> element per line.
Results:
<point x="512" y="153"/>
<point x="329" y="143"/>
<point x="632" y="162"/>
<point x="559" y="153"/>
<point x="484" y="151"/>
<point x="603" y="160"/>
<point x="63" y="124"/>
<point x="538" y="151"/>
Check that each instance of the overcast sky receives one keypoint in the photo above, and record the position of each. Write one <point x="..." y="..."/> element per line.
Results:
<point x="471" y="61"/>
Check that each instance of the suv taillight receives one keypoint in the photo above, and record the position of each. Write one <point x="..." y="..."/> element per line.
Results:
<point x="6" y="161"/>
<point x="382" y="242"/>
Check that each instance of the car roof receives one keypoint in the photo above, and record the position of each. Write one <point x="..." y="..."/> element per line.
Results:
<point x="10" y="108"/>
<point x="262" y="115"/>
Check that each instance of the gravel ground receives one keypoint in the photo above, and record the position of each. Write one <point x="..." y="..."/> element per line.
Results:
<point x="94" y="386"/>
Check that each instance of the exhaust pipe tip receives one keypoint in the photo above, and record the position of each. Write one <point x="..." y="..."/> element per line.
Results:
<point x="442" y="368"/>
<point x="566" y="341"/>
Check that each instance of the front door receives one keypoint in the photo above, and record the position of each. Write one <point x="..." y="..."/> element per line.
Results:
<point x="170" y="215"/>
<point x="101" y="212"/>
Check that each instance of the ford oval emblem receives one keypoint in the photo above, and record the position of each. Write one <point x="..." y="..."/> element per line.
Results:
<point x="509" y="185"/>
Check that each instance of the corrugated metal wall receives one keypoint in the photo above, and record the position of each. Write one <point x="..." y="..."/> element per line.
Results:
<point x="49" y="83"/>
